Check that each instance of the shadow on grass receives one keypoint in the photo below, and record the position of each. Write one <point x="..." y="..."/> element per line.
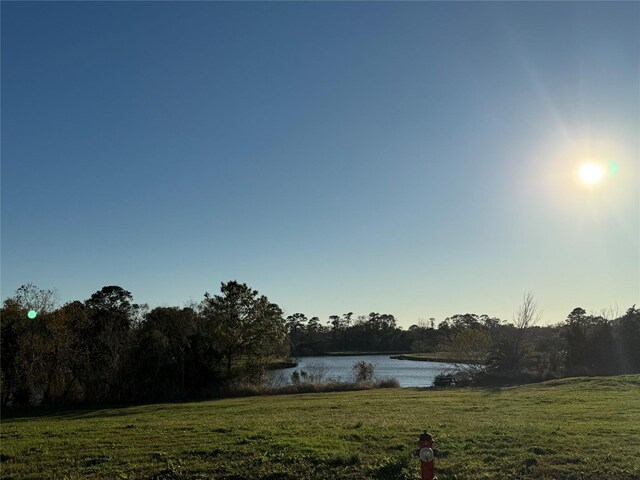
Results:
<point x="239" y="391"/>
<point x="75" y="412"/>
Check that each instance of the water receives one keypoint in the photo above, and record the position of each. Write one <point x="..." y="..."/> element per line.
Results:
<point x="408" y="373"/>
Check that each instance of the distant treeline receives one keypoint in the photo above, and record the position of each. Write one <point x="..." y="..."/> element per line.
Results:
<point x="109" y="349"/>
<point x="501" y="352"/>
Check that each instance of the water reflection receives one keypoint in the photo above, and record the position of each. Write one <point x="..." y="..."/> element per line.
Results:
<point x="408" y="373"/>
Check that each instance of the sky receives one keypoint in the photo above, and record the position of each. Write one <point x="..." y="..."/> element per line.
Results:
<point x="419" y="159"/>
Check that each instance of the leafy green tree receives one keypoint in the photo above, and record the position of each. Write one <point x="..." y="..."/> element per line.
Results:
<point x="315" y="339"/>
<point x="628" y="339"/>
<point x="592" y="346"/>
<point x="25" y="353"/>
<point x="576" y="334"/>
<point x="115" y="302"/>
<point x="112" y="315"/>
<point x="468" y="349"/>
<point x="163" y="357"/>
<point x="14" y="325"/>
<point x="70" y="327"/>
<point x="423" y="337"/>
<point x="295" y="325"/>
<point x="245" y="324"/>
<point x="340" y="332"/>
<point x="58" y="355"/>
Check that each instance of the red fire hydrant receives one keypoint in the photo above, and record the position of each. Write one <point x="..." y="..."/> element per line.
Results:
<point x="426" y="453"/>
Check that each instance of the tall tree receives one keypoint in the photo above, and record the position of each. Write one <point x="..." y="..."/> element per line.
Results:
<point x="511" y="345"/>
<point x="296" y="325"/>
<point x="163" y="343"/>
<point x="25" y="352"/>
<point x="628" y="339"/>
<point x="14" y="326"/>
<point x="112" y="315"/>
<point x="576" y="334"/>
<point x="244" y="323"/>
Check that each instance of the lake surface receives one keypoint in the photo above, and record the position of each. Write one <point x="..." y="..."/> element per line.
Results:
<point x="409" y="373"/>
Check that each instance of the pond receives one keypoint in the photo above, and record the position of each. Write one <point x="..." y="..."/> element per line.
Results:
<point x="409" y="373"/>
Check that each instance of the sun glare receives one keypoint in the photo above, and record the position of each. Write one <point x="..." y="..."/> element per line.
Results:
<point x="591" y="173"/>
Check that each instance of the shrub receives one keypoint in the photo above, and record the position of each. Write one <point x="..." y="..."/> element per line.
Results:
<point x="444" y="380"/>
<point x="315" y="373"/>
<point x="388" y="383"/>
<point x="363" y="372"/>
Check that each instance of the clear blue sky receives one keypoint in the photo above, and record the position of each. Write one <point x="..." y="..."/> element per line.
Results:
<point x="418" y="159"/>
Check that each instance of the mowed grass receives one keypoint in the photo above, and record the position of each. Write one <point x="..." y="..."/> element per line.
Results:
<point x="580" y="428"/>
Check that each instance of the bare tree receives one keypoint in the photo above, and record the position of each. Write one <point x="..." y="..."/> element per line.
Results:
<point x="528" y="314"/>
<point x="526" y="317"/>
<point x="611" y="313"/>
<point x="510" y="351"/>
<point x="33" y="298"/>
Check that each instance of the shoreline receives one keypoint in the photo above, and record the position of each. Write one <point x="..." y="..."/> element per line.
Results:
<point x="355" y="354"/>
<point x="281" y="364"/>
<point x="420" y="357"/>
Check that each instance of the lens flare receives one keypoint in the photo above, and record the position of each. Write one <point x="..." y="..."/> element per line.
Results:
<point x="32" y="314"/>
<point x="591" y="173"/>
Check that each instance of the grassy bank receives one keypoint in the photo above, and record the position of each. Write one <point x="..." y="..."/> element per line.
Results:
<point x="566" y="429"/>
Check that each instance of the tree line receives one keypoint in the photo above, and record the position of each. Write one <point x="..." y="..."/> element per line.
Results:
<point x="109" y="349"/>
<point x="488" y="349"/>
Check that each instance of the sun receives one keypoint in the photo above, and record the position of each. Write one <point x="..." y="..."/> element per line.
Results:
<point x="590" y="173"/>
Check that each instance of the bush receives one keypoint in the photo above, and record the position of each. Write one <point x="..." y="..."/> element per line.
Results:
<point x="388" y="383"/>
<point x="315" y="373"/>
<point x="444" y="380"/>
<point x="363" y="372"/>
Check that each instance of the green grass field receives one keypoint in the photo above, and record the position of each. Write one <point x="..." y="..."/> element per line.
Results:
<point x="581" y="428"/>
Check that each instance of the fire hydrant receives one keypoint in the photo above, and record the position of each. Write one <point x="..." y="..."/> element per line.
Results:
<point x="427" y="453"/>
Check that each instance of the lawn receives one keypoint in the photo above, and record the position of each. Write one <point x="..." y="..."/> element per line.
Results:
<point x="580" y="428"/>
